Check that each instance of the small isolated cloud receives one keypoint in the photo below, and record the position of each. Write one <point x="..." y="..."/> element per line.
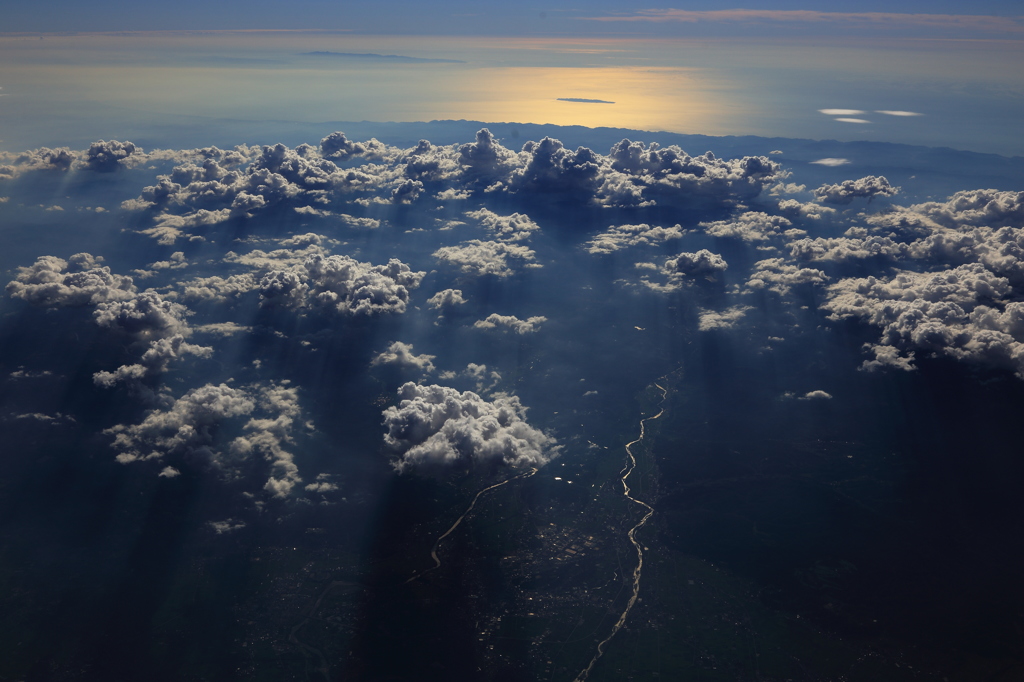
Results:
<point x="841" y="112"/>
<point x="401" y="354"/>
<point x="816" y="395"/>
<point x="830" y="161"/>
<point x="721" y="319"/>
<point x="845" y="192"/>
<point x="898" y="113"/>
<point x="446" y="299"/>
<point x="478" y="257"/>
<point x="322" y="484"/>
<point x="844" y="119"/>
<point x="226" y="526"/>
<point x="437" y="426"/>
<point x="51" y="419"/>
<point x="169" y="472"/>
<point x="511" y="323"/>
<point x="584" y="101"/>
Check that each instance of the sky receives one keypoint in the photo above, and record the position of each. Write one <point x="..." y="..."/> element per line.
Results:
<point x="475" y="17"/>
<point x="765" y="74"/>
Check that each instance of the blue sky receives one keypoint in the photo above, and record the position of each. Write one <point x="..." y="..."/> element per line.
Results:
<point x="452" y="17"/>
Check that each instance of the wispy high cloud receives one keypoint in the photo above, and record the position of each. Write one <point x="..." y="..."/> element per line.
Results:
<point x="887" y="19"/>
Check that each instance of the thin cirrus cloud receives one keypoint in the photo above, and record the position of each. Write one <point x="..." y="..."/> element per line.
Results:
<point x="845" y="115"/>
<point x="959" y="21"/>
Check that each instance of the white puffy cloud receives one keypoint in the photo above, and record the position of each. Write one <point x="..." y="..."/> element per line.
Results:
<point x="816" y="395"/>
<point x="618" y="237"/>
<point x="77" y="281"/>
<point x="845" y="192"/>
<point x="721" y="319"/>
<point x="840" y="249"/>
<point x="960" y="313"/>
<point x="192" y="425"/>
<point x="147" y="316"/>
<point x="779" y="276"/>
<point x="187" y="425"/>
<point x="270" y="435"/>
<point x="552" y="168"/>
<point x="752" y="226"/>
<point x="43" y="158"/>
<point x="225" y="526"/>
<point x="106" y="157"/>
<point x="810" y="210"/>
<point x="509" y="228"/>
<point x="446" y="299"/>
<point x="683" y="268"/>
<point x="342" y="284"/>
<point x="655" y="173"/>
<point x="478" y="257"/>
<point x="485" y="160"/>
<point x="401" y="354"/>
<point x="322" y="484"/>
<point x="989" y="207"/>
<point x="436" y="426"/>
<point x="702" y="262"/>
<point x="511" y="323"/>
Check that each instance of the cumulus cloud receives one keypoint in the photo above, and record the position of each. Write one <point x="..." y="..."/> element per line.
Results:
<point x="511" y="323"/>
<point x="191" y="425"/>
<point x="485" y="160"/>
<point x="446" y="299"/>
<point x="187" y="425"/>
<point x="775" y="274"/>
<point x="226" y="526"/>
<point x="322" y="484"/>
<point x="341" y="284"/>
<point x="643" y="175"/>
<point x="148" y="317"/>
<point x="960" y="313"/>
<point x="752" y="226"/>
<point x="816" y="395"/>
<point x="618" y="237"/>
<point x="845" y="192"/>
<point x="437" y="426"/>
<point x="106" y="157"/>
<point x="989" y="207"/>
<point x="721" y="319"/>
<point x="401" y="354"/>
<point x="840" y="249"/>
<point x="77" y="281"/>
<point x="551" y="168"/>
<point x="811" y="210"/>
<point x="510" y="228"/>
<point x="478" y="257"/>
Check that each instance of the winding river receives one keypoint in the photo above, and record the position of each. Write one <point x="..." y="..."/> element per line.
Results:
<point x="627" y="493"/>
<point x="437" y="543"/>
